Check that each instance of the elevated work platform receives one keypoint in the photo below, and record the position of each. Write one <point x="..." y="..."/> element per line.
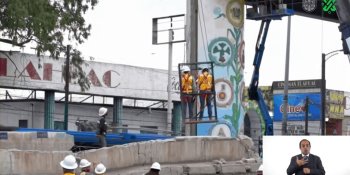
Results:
<point x="274" y="15"/>
<point x="268" y="9"/>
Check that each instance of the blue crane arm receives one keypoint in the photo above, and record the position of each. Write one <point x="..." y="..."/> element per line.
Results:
<point x="265" y="113"/>
<point x="253" y="92"/>
<point x="259" y="51"/>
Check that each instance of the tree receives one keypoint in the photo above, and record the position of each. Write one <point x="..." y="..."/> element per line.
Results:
<point x="49" y="25"/>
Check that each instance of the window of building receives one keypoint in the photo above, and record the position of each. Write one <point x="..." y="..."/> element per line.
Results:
<point x="23" y="123"/>
<point x="58" y="125"/>
<point x="148" y="130"/>
<point x="125" y="129"/>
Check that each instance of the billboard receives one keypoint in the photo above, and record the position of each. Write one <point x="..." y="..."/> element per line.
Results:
<point x="335" y="104"/>
<point x="347" y="103"/>
<point x="318" y="9"/>
<point x="26" y="71"/>
<point x="296" y="106"/>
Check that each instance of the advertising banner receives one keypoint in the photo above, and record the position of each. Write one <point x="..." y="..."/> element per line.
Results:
<point x="296" y="106"/>
<point x="335" y="104"/>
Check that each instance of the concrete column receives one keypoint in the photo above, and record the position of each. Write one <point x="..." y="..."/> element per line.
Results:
<point x="49" y="109"/>
<point x="192" y="43"/>
<point x="117" y="111"/>
<point x="176" y="119"/>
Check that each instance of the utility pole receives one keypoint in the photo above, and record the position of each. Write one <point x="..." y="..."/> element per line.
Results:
<point x="170" y="61"/>
<point x="323" y="87"/>
<point x="323" y="94"/>
<point x="307" y="116"/>
<point x="66" y="89"/>
<point x="286" y="80"/>
<point x="192" y="41"/>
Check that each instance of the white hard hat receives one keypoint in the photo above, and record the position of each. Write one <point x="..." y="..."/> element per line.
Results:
<point x="185" y="69"/>
<point x="102" y="111"/>
<point x="69" y="163"/>
<point x="155" y="166"/>
<point x="100" y="168"/>
<point x="84" y="163"/>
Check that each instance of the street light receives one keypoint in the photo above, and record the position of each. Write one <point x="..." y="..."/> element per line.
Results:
<point x="323" y="88"/>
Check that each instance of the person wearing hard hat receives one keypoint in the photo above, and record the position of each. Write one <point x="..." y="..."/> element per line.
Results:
<point x="154" y="170"/>
<point x="100" y="169"/>
<point x="85" y="167"/>
<point x="69" y="164"/>
<point x="186" y="93"/>
<point x="102" y="126"/>
<point x="205" y="84"/>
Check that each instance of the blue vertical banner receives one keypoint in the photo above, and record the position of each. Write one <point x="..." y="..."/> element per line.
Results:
<point x="221" y="41"/>
<point x="296" y="106"/>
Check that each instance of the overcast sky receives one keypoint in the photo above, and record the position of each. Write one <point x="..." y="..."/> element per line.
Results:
<point x="122" y="32"/>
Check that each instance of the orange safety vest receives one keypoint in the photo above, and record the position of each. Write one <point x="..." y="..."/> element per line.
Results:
<point x="205" y="82"/>
<point x="186" y="83"/>
<point x="69" y="174"/>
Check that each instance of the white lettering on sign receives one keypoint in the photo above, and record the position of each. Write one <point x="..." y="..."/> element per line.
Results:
<point x="30" y="72"/>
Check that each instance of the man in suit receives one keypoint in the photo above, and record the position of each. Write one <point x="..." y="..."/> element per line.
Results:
<point x="305" y="163"/>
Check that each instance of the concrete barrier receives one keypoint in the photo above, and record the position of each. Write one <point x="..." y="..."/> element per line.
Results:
<point x="47" y="141"/>
<point x="179" y="150"/>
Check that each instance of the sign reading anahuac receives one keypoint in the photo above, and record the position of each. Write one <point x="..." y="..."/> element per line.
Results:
<point x="27" y="71"/>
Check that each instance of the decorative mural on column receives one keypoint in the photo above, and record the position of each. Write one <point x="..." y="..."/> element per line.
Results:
<point x="220" y="40"/>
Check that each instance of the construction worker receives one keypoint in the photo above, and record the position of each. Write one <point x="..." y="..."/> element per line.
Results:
<point x="84" y="166"/>
<point x="69" y="164"/>
<point x="102" y="126"/>
<point x="100" y="169"/>
<point x="205" y="83"/>
<point x="186" y="90"/>
<point x="154" y="170"/>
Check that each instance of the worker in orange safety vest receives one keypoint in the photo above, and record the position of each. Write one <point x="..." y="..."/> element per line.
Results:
<point x="205" y="84"/>
<point x="186" y="90"/>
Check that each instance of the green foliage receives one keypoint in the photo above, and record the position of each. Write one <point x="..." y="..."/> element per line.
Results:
<point x="50" y="25"/>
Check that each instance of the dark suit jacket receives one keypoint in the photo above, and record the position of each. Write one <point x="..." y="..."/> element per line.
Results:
<point x="314" y="164"/>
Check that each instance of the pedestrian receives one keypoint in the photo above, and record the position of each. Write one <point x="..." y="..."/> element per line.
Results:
<point x="69" y="164"/>
<point x="205" y="84"/>
<point x="102" y="126"/>
<point x="186" y="93"/>
<point x="85" y="166"/>
<point x="154" y="170"/>
<point x="305" y="163"/>
<point x="100" y="169"/>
